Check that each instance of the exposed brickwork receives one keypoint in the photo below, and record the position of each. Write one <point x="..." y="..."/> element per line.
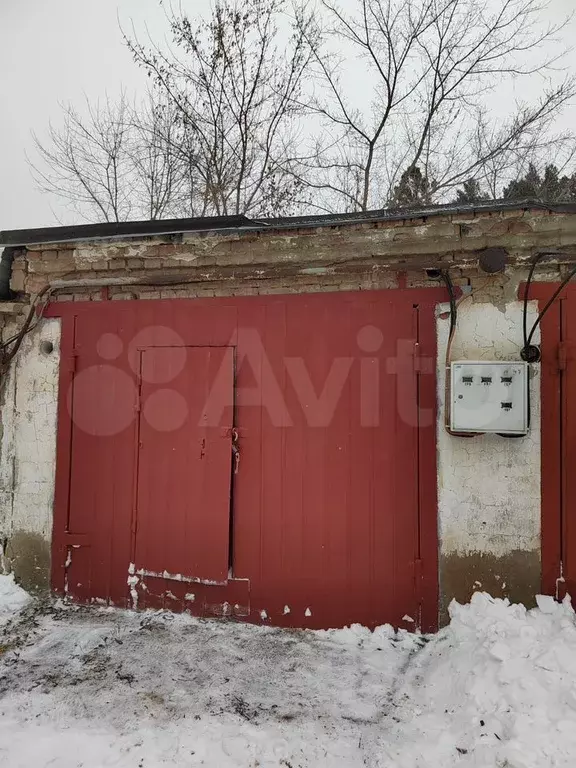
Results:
<point x="363" y="256"/>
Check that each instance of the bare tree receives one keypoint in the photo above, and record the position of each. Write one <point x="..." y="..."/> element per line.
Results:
<point x="161" y="178"/>
<point x="86" y="160"/>
<point x="234" y="82"/>
<point x="113" y="162"/>
<point x="251" y="111"/>
<point x="433" y="65"/>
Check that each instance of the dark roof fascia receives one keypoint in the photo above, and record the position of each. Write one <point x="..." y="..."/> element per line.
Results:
<point x="402" y="214"/>
<point x="239" y="224"/>
<point x="120" y="230"/>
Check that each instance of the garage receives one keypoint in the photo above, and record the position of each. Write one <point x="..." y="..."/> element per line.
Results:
<point x="268" y="458"/>
<point x="252" y="419"/>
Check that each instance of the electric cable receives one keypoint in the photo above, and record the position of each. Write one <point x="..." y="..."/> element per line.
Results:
<point x="533" y="266"/>
<point x="549" y="303"/>
<point x="10" y="347"/>
<point x="453" y="307"/>
<point x="531" y="353"/>
<point x="453" y="323"/>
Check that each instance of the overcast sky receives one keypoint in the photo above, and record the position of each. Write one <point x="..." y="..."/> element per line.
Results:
<point x="59" y="50"/>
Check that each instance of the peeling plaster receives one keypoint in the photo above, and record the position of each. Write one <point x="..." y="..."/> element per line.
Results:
<point x="28" y="440"/>
<point x="488" y="486"/>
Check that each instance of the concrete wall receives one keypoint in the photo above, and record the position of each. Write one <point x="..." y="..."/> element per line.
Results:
<point x="28" y="456"/>
<point x="488" y="486"/>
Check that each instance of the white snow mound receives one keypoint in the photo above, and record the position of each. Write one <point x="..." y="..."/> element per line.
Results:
<point x="94" y="688"/>
<point x="496" y="688"/>
<point x="12" y="598"/>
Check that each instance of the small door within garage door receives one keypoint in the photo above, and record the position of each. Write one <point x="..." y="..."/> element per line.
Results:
<point x="184" y="463"/>
<point x="331" y="518"/>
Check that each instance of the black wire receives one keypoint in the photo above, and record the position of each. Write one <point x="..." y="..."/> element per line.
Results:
<point x="453" y="308"/>
<point x="541" y="314"/>
<point x="12" y="339"/>
<point x="529" y="336"/>
<point x="9" y="348"/>
<point x="533" y="266"/>
<point x="551" y="301"/>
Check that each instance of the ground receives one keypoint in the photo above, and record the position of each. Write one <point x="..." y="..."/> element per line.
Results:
<point x="96" y="687"/>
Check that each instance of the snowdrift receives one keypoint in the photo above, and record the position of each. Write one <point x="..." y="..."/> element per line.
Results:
<point x="495" y="688"/>
<point x="12" y="598"/>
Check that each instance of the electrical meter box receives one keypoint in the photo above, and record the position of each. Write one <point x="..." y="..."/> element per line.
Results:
<point x="489" y="397"/>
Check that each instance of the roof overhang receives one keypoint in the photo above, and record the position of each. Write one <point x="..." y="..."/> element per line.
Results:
<point x="174" y="228"/>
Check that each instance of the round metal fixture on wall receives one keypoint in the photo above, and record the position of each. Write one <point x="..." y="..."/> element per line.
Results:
<point x="46" y="347"/>
<point x="493" y="260"/>
<point x="531" y="354"/>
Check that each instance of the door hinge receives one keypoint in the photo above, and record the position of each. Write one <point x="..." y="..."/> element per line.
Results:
<point x="562" y="356"/>
<point x="416" y="357"/>
<point x="138" y="404"/>
<point x="421" y="364"/>
<point x="418" y="574"/>
<point x="73" y="362"/>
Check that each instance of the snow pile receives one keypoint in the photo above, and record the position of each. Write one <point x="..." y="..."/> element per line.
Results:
<point x="12" y="598"/>
<point x="105" y="687"/>
<point x="496" y="688"/>
<point x="382" y="638"/>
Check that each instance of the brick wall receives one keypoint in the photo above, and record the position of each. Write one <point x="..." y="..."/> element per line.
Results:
<point x="354" y="257"/>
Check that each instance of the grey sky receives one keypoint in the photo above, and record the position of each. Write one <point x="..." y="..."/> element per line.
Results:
<point x="62" y="49"/>
<point x="51" y="51"/>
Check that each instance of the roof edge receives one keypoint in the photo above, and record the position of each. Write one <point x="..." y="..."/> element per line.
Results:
<point x="225" y="224"/>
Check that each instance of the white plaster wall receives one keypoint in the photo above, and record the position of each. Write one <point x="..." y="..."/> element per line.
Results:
<point x="28" y="420"/>
<point x="488" y="486"/>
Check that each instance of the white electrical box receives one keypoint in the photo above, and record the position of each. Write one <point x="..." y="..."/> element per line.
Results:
<point x="489" y="397"/>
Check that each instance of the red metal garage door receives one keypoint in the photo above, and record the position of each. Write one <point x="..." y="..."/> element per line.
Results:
<point x="558" y="441"/>
<point x="331" y="518"/>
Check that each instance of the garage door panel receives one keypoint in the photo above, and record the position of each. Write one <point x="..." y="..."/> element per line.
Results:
<point x="99" y="397"/>
<point x="326" y="519"/>
<point x="183" y="504"/>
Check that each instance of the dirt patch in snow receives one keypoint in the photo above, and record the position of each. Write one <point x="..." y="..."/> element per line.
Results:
<point x="101" y="687"/>
<point x="267" y="694"/>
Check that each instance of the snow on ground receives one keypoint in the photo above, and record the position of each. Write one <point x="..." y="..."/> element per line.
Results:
<point x="101" y="687"/>
<point x="498" y="687"/>
<point x="12" y="598"/>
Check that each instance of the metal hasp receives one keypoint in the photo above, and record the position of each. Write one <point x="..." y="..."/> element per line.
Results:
<point x="489" y="397"/>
